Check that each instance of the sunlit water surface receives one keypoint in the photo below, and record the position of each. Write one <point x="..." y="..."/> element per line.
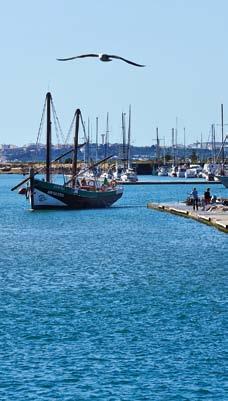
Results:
<point x="124" y="303"/>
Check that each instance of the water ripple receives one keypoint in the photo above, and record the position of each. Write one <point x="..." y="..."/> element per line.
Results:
<point x="118" y="304"/>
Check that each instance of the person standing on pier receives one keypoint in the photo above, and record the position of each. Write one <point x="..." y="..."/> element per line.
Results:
<point x="207" y="196"/>
<point x="195" y="197"/>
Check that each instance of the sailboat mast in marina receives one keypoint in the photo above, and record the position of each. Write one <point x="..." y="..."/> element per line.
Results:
<point x="107" y="136"/>
<point x="124" y="141"/>
<point x="128" y="174"/>
<point x="129" y="139"/>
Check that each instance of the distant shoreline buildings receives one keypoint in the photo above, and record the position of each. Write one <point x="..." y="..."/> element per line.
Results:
<point x="33" y="152"/>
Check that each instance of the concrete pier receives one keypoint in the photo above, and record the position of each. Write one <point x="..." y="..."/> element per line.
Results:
<point x="171" y="182"/>
<point x="215" y="216"/>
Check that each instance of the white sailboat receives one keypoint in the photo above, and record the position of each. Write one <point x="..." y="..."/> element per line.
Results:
<point x="163" y="171"/>
<point x="128" y="174"/>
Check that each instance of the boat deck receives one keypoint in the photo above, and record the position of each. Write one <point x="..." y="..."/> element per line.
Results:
<point x="216" y="216"/>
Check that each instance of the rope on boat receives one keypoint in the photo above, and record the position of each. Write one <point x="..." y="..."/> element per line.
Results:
<point x="57" y="123"/>
<point x="69" y="131"/>
<point x="40" y="128"/>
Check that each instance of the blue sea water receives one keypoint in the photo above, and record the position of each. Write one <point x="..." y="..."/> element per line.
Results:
<point x="124" y="303"/>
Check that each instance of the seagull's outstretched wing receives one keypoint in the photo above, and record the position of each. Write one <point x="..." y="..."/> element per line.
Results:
<point x="81" y="56"/>
<point x="127" y="61"/>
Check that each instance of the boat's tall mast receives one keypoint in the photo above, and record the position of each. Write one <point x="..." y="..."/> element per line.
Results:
<point x="88" y="143"/>
<point x="164" y="161"/>
<point x="48" y="151"/>
<point x="173" y="148"/>
<point x="157" y="145"/>
<point x="124" y="140"/>
<point x="96" y="139"/>
<point x="223" y="154"/>
<point x="75" y="154"/>
<point x="107" y="135"/>
<point x="129" y="139"/>
<point x="213" y="142"/>
<point x="176" y="129"/>
<point x="185" y="144"/>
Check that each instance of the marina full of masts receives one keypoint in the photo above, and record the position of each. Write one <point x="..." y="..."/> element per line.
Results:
<point x="114" y="169"/>
<point x="199" y="161"/>
<point x="125" y="161"/>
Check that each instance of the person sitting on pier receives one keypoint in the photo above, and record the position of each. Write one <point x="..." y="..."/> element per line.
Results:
<point x="194" y="195"/>
<point x="207" y="196"/>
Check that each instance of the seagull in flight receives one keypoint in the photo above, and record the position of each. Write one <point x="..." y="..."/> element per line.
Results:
<point x="102" y="57"/>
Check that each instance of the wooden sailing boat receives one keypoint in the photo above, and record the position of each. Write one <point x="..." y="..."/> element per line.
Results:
<point x="75" y="193"/>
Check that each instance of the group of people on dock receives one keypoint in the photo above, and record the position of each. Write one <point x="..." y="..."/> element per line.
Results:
<point x="206" y="200"/>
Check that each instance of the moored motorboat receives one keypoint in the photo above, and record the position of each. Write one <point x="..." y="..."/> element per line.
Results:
<point x="172" y="172"/>
<point x="163" y="171"/>
<point x="210" y="170"/>
<point x="129" y="175"/>
<point x="190" y="173"/>
<point x="181" y="172"/>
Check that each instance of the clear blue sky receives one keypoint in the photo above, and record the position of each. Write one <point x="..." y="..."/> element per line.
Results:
<point x="182" y="42"/>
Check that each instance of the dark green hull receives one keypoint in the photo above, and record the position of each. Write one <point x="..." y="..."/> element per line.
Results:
<point x="46" y="195"/>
